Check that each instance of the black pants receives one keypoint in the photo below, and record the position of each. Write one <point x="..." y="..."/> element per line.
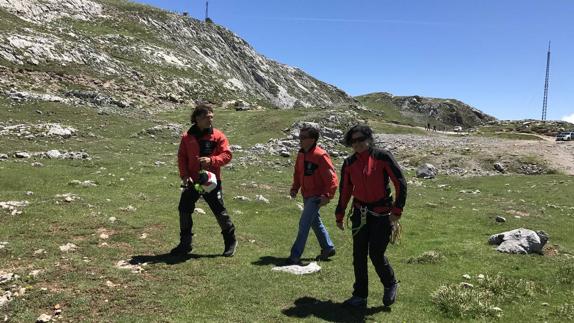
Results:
<point x="372" y="239"/>
<point x="215" y="201"/>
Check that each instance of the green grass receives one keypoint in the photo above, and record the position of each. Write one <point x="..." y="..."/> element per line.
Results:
<point x="207" y="287"/>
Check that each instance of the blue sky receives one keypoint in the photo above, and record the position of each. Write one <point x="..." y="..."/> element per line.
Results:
<point x="490" y="54"/>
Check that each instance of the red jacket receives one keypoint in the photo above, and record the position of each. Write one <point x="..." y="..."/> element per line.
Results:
<point x="366" y="177"/>
<point x="314" y="174"/>
<point x="208" y="143"/>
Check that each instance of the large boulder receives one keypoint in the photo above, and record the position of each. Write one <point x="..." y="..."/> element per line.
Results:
<point x="520" y="241"/>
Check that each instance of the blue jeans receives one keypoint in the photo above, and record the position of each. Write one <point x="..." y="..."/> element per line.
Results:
<point x="310" y="218"/>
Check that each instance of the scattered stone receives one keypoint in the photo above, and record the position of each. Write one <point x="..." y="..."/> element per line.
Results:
<point x="159" y="163"/>
<point x="22" y="154"/>
<point x="199" y="210"/>
<point x="466" y="276"/>
<point x="129" y="208"/>
<point x="500" y="219"/>
<point x="44" y="318"/>
<point x="519" y="241"/>
<point x="68" y="247"/>
<point x="112" y="219"/>
<point x="13" y="206"/>
<point x="39" y="252"/>
<point x="474" y="192"/>
<point x="480" y="277"/>
<point x="35" y="273"/>
<point x="545" y="304"/>
<point x="466" y="285"/>
<point x="242" y="198"/>
<point x="29" y="193"/>
<point x="143" y="236"/>
<point x="284" y="153"/>
<point x="499" y="168"/>
<point x="426" y="171"/>
<point x="134" y="268"/>
<point x="67" y="197"/>
<point x="261" y="198"/>
<point x="3" y="244"/>
<point x="3" y="157"/>
<point x="37" y="164"/>
<point x="6" y="277"/>
<point x="104" y="236"/>
<point x="5" y="298"/>
<point x="87" y="183"/>
<point x="110" y="284"/>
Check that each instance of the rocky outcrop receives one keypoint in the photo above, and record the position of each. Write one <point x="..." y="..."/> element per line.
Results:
<point x="157" y="59"/>
<point x="442" y="113"/>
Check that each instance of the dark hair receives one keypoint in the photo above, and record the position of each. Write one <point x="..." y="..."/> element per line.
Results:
<point x="311" y="130"/>
<point x="201" y="110"/>
<point x="363" y="129"/>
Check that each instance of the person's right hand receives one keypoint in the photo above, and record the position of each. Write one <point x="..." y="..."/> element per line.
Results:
<point x="341" y="226"/>
<point x="187" y="181"/>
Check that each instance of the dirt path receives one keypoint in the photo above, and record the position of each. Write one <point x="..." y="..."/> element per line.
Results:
<point x="558" y="154"/>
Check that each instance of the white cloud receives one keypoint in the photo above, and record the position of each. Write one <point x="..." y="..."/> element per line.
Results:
<point x="569" y="118"/>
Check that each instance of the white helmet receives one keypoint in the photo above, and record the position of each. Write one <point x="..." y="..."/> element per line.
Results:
<point x="207" y="182"/>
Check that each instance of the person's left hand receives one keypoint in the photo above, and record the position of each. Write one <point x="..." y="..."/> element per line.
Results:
<point x="324" y="201"/>
<point x="204" y="161"/>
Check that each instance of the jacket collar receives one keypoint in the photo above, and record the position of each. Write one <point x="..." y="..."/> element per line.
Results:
<point x="310" y="149"/>
<point x="198" y="133"/>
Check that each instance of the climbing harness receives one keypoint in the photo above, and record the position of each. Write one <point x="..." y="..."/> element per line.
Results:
<point x="364" y="211"/>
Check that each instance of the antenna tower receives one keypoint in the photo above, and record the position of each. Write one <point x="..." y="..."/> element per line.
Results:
<point x="545" y="102"/>
<point x="206" y="10"/>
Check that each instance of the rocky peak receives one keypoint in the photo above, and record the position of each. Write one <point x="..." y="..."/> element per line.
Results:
<point x="160" y="59"/>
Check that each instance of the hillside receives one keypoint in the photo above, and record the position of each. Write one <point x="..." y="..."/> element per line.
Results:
<point x="417" y="110"/>
<point x="121" y="55"/>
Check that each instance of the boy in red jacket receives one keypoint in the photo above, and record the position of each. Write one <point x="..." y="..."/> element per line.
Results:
<point x="203" y="148"/>
<point x="315" y="175"/>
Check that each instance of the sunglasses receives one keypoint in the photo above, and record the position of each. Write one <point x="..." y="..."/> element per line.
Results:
<point x="357" y="140"/>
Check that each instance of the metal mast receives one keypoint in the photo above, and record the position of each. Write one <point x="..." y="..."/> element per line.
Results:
<point x="545" y="102"/>
<point x="206" y="10"/>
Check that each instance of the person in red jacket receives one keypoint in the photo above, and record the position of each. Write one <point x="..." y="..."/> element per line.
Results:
<point x="366" y="176"/>
<point x="203" y="147"/>
<point x="315" y="175"/>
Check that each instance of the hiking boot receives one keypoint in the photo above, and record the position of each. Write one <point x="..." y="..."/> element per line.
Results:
<point x="230" y="248"/>
<point x="292" y="262"/>
<point x="181" y="250"/>
<point x="356" y="302"/>
<point x="390" y="295"/>
<point x="326" y="254"/>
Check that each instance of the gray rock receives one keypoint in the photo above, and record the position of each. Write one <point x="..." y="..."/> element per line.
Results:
<point x="22" y="154"/>
<point x="284" y="153"/>
<point x="500" y="219"/>
<point x="519" y="241"/>
<point x="3" y="157"/>
<point x="53" y="154"/>
<point x="426" y="171"/>
<point x="499" y="167"/>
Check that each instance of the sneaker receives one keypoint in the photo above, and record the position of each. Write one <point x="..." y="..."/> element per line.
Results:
<point x="356" y="302"/>
<point x="291" y="262"/>
<point x="390" y="295"/>
<point x="326" y="254"/>
<point x="181" y="250"/>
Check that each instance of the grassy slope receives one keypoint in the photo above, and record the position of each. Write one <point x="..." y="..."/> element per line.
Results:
<point x="243" y="288"/>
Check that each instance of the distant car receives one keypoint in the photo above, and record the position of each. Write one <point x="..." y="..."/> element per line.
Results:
<point x="457" y="129"/>
<point x="565" y="136"/>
